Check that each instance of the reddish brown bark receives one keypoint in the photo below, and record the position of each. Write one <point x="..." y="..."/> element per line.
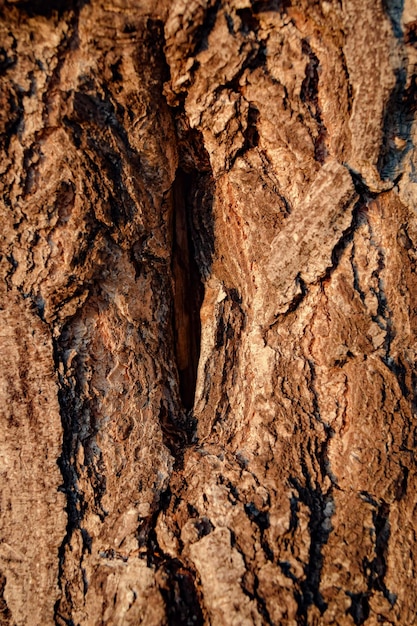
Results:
<point x="208" y="312"/>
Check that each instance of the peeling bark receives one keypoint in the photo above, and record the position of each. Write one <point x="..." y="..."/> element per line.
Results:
<point x="208" y="312"/>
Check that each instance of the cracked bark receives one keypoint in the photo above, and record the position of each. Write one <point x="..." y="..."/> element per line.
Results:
<point x="208" y="312"/>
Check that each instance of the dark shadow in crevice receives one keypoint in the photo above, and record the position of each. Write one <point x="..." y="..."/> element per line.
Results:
<point x="248" y="19"/>
<point x="310" y="96"/>
<point x="180" y="594"/>
<point x="394" y="9"/>
<point x="398" y="121"/>
<point x="402" y="103"/>
<point x="5" y="613"/>
<point x="177" y="581"/>
<point x="47" y="8"/>
<point x="202" y="33"/>
<point x="192" y="251"/>
<point x="262" y="6"/>
<point x="322" y="507"/>
<point x="359" y="609"/>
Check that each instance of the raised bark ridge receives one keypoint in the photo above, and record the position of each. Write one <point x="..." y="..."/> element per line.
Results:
<point x="208" y="312"/>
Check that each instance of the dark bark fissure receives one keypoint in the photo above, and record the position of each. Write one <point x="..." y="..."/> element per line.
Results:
<point x="202" y="33"/>
<point x="188" y="291"/>
<point x="177" y="581"/>
<point x="250" y="588"/>
<point x="260" y="6"/>
<point x="309" y="95"/>
<point x="192" y="195"/>
<point x="398" y="120"/>
<point x="47" y="8"/>
<point x="180" y="595"/>
<point x="79" y="429"/>
<point x="5" y="613"/>
<point x="192" y="251"/>
<point x="401" y="106"/>
<point x="377" y="568"/>
<point x="321" y="507"/>
<point x="249" y="585"/>
<point x="359" y="609"/>
<point x="394" y="10"/>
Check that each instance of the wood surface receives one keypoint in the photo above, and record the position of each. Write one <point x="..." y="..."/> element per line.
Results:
<point x="208" y="312"/>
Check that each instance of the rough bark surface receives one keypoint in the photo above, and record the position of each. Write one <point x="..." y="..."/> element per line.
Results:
<point x="208" y="312"/>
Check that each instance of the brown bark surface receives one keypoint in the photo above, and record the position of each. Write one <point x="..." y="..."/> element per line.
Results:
<point x="208" y="312"/>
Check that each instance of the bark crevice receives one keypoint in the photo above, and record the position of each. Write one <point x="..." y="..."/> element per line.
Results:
<point x="188" y="290"/>
<point x="321" y="506"/>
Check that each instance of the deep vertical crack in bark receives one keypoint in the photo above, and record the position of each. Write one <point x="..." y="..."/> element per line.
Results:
<point x="5" y="614"/>
<point x="321" y="506"/>
<point x="188" y="290"/>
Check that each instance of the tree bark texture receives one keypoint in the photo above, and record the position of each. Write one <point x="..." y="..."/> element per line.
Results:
<point x="208" y="312"/>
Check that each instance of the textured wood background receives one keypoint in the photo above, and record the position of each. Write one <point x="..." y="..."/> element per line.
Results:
<point x="208" y="312"/>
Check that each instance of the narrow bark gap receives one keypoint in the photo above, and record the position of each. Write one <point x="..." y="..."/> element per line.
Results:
<point x="310" y="96"/>
<point x="189" y="265"/>
<point x="359" y="609"/>
<point x="397" y="127"/>
<point x="79" y="430"/>
<point x="180" y="594"/>
<point x="321" y="507"/>
<point x="178" y="583"/>
<point x="5" y="613"/>
<point x="262" y="6"/>
<point x="202" y="33"/>
<point x="48" y="9"/>
<point x="394" y="9"/>
<point x="401" y="105"/>
<point x="378" y="566"/>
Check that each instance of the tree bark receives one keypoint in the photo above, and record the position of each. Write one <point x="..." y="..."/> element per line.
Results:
<point x="208" y="312"/>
